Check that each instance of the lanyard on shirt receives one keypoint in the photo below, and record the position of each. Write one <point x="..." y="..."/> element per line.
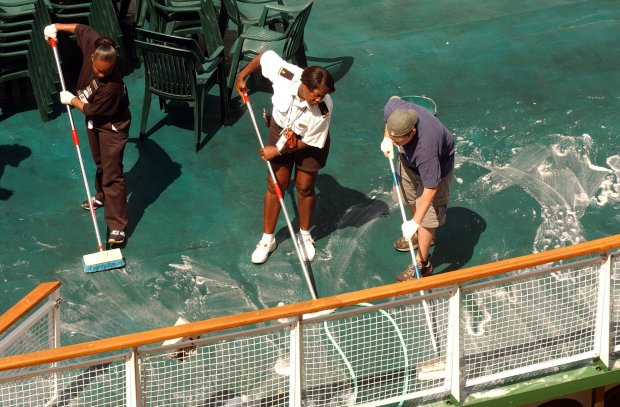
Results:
<point x="289" y="124"/>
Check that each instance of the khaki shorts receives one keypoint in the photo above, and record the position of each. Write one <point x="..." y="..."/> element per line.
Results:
<point x="411" y="187"/>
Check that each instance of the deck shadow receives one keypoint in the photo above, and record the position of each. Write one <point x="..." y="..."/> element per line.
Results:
<point x="180" y="114"/>
<point x="11" y="155"/>
<point x="152" y="173"/>
<point x="457" y="239"/>
<point x="338" y="67"/>
<point x="337" y="207"/>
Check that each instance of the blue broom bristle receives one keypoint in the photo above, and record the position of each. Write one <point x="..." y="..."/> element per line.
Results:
<point x="104" y="266"/>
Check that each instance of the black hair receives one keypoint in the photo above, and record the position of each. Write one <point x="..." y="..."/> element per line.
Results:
<point x="105" y="49"/>
<point x="317" y="77"/>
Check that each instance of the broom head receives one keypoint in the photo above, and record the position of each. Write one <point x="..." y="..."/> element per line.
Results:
<point x="103" y="260"/>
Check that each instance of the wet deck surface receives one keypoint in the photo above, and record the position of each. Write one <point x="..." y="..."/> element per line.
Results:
<point x="529" y="90"/>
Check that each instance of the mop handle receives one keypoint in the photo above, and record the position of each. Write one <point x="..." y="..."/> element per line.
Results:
<point x="427" y="313"/>
<point x="280" y="196"/>
<point x="76" y="142"/>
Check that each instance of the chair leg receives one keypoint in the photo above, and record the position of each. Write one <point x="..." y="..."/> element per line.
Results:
<point x="222" y="19"/>
<point x="223" y="94"/>
<point x="232" y="74"/>
<point x="146" y="106"/>
<point x="300" y="57"/>
<point x="198" y="109"/>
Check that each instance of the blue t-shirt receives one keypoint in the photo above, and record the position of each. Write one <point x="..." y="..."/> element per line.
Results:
<point x="430" y="152"/>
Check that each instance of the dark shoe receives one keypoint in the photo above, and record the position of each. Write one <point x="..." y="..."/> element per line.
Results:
<point x="116" y="237"/>
<point x="96" y="204"/>
<point x="402" y="246"/>
<point x="425" y="269"/>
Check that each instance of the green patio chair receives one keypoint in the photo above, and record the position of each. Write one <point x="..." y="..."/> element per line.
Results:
<point x="188" y="19"/>
<point x="25" y="19"/>
<point x="175" y="70"/>
<point x="98" y="14"/>
<point x="245" y="13"/>
<point x="15" y="63"/>
<point x="23" y="51"/>
<point x="213" y="59"/>
<point x="289" y="44"/>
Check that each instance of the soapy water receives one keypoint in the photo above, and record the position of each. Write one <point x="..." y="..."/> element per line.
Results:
<point x="560" y="176"/>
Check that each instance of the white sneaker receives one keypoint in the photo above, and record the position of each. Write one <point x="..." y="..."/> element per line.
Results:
<point x="261" y="253"/>
<point x="306" y="245"/>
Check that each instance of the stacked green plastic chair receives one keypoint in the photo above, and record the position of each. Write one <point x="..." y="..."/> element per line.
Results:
<point x="98" y="14"/>
<point x="244" y="13"/>
<point x="197" y="21"/>
<point x="175" y="69"/>
<point x="256" y="39"/>
<point x="23" y="51"/>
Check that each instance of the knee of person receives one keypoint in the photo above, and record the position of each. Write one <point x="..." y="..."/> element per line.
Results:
<point x="305" y="190"/>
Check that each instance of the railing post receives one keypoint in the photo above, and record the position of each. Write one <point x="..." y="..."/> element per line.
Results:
<point x="133" y="386"/>
<point x="53" y="329"/>
<point x="295" y="378"/>
<point x="54" y="319"/>
<point x="453" y="362"/>
<point x="603" y="314"/>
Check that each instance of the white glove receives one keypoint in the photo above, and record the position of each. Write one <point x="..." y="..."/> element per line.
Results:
<point x="66" y="97"/>
<point x="50" y="32"/>
<point x="409" y="227"/>
<point x="387" y="147"/>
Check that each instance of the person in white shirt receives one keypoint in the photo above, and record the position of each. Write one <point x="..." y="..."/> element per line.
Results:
<point x="298" y="137"/>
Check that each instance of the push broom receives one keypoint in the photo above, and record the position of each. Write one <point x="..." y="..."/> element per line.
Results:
<point x="103" y="259"/>
<point x="432" y="369"/>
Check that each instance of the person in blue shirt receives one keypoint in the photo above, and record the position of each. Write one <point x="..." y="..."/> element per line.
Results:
<point x="425" y="171"/>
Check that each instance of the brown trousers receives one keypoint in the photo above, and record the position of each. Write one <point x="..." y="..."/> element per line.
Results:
<point x="107" y="146"/>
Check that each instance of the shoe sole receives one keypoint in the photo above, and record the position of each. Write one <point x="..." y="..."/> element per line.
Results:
<point x="112" y="241"/>
<point x="95" y="207"/>
<point x="267" y="258"/>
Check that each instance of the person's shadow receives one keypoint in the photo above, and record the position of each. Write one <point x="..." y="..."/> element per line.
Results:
<point x="11" y="155"/>
<point x="457" y="239"/>
<point x="148" y="178"/>
<point x="337" y="207"/>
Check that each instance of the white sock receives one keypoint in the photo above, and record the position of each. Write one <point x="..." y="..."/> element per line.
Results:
<point x="267" y="238"/>
<point x="304" y="232"/>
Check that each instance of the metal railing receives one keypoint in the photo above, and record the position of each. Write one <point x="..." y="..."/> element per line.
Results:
<point x="490" y="325"/>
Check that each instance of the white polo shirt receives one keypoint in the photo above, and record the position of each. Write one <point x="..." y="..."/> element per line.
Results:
<point x="288" y="110"/>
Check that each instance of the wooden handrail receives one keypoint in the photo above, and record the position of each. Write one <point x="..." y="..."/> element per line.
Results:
<point x="338" y="301"/>
<point x="26" y="304"/>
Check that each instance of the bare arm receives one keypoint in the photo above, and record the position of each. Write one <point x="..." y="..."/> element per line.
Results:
<point x="253" y="66"/>
<point x="425" y="201"/>
<point x="70" y="28"/>
<point x="67" y="28"/>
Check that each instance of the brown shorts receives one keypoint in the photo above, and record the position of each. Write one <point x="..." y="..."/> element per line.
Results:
<point x="309" y="159"/>
<point x="411" y="187"/>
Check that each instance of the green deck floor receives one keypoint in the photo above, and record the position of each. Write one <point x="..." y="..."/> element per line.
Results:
<point x="530" y="90"/>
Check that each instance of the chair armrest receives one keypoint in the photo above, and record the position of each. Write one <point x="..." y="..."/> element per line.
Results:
<point x="279" y="8"/>
<point x="210" y="63"/>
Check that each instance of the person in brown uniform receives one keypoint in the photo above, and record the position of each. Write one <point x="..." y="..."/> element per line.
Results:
<point x="102" y="97"/>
